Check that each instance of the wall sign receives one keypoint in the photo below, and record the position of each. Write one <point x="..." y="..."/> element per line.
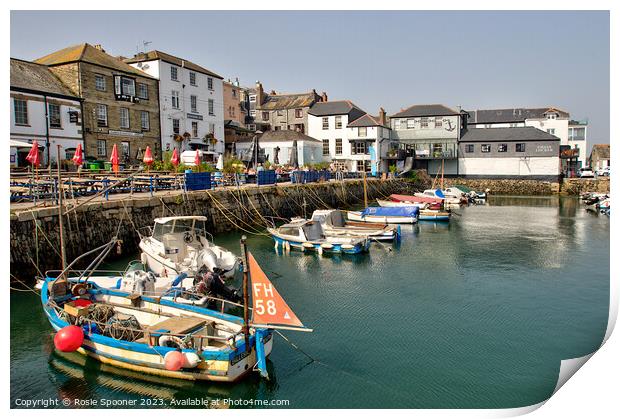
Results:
<point x="544" y="148"/>
<point x="125" y="133"/>
<point x="194" y="116"/>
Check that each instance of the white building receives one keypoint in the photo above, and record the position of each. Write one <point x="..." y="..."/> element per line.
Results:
<point x="42" y="109"/>
<point x="279" y="145"/>
<point x="572" y="134"/>
<point x="347" y="134"/>
<point x="191" y="102"/>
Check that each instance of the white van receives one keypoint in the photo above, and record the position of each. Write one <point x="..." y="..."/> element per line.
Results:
<point x="188" y="156"/>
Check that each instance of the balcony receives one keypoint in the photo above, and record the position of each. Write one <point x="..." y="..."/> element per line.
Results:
<point x="431" y="151"/>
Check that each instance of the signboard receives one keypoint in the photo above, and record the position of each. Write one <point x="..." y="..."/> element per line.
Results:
<point x="194" y="116"/>
<point x="544" y="148"/>
<point x="125" y="133"/>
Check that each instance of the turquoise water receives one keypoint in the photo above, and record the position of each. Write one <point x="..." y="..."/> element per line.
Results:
<point x="474" y="314"/>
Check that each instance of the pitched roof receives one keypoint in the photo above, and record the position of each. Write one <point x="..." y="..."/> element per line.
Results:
<point x="506" y="134"/>
<point x="602" y="151"/>
<point x="366" y="121"/>
<point x="282" y="136"/>
<point x="159" y="55"/>
<point x="425" y="110"/>
<point x="336" y="107"/>
<point x="26" y="75"/>
<point x="88" y="54"/>
<point x="298" y="100"/>
<point x="491" y="116"/>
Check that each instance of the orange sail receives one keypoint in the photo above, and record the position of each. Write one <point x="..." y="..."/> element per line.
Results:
<point x="268" y="306"/>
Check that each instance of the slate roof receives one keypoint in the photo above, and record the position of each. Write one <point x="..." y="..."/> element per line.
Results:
<point x="366" y="121"/>
<point x="602" y="151"/>
<point x="506" y="134"/>
<point x="299" y="100"/>
<point x="491" y="116"/>
<point x="336" y="107"/>
<point x="425" y="110"/>
<point x="88" y="54"/>
<point x="159" y="55"/>
<point x="26" y="75"/>
<point x="282" y="136"/>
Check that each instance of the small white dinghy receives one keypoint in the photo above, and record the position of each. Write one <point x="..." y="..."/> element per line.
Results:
<point x="180" y="245"/>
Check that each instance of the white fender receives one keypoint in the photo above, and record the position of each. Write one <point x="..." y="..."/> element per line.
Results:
<point x="191" y="359"/>
<point x="144" y="259"/>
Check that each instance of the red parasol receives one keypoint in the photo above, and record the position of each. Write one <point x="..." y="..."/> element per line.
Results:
<point x="77" y="158"/>
<point x="148" y="156"/>
<point x="114" y="159"/>
<point x="33" y="155"/>
<point x="175" y="158"/>
<point x="197" y="160"/>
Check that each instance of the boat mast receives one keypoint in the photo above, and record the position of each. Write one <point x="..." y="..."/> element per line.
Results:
<point x="365" y="193"/>
<point x="61" y="230"/>
<point x="442" y="175"/>
<point x="246" y="297"/>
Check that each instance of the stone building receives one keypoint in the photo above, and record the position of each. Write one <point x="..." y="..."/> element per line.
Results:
<point x="121" y="104"/>
<point x="45" y="110"/>
<point x="275" y="111"/>
<point x="600" y="156"/>
<point x="236" y="113"/>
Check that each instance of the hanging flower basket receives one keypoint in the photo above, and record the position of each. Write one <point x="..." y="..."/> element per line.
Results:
<point x="187" y="135"/>
<point x="178" y="138"/>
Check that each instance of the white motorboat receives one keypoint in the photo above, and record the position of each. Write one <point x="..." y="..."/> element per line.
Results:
<point x="334" y="223"/>
<point x="180" y="245"/>
<point x="391" y="204"/>
<point x="438" y="194"/>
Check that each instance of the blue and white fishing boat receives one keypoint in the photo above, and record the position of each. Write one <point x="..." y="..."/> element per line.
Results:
<point x="388" y="215"/>
<point x="308" y="235"/>
<point x="171" y="334"/>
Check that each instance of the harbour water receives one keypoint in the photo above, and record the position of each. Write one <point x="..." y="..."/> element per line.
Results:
<point x="474" y="314"/>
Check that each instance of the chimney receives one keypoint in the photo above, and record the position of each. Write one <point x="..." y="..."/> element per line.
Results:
<point x="382" y="119"/>
<point x="273" y="92"/>
<point x="99" y="47"/>
<point x="237" y="81"/>
<point x="324" y="97"/>
<point x="259" y="93"/>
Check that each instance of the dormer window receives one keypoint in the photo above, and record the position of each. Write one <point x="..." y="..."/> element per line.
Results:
<point x="552" y="115"/>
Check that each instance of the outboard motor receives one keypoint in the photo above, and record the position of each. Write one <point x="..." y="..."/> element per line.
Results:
<point x="211" y="284"/>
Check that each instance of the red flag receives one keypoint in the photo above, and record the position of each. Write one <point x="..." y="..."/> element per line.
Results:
<point x="148" y="156"/>
<point x="114" y="159"/>
<point x="77" y="158"/>
<point x="268" y="307"/>
<point x="197" y="158"/>
<point x="33" y="155"/>
<point x="175" y="158"/>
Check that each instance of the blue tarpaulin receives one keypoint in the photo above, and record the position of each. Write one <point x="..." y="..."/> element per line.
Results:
<point x="392" y="211"/>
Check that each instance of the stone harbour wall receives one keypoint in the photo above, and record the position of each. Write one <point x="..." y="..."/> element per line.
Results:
<point x="529" y="187"/>
<point x="243" y="209"/>
<point x="578" y="186"/>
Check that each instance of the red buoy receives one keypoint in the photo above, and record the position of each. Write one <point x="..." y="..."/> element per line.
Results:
<point x="69" y="338"/>
<point x="174" y="360"/>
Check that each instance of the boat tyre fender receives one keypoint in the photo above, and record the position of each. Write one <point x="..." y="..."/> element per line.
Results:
<point x="172" y="342"/>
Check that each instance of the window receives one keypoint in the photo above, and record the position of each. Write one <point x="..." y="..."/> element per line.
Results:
<point x="124" y="118"/>
<point x="485" y="148"/>
<point x="100" y="82"/>
<point x="145" y="121"/>
<point x="338" y="122"/>
<point x="125" y="149"/>
<point x="552" y="116"/>
<point x="265" y="116"/>
<point x="175" y="99"/>
<point x="410" y="123"/>
<point x="175" y="126"/>
<point x="403" y="124"/>
<point x="325" y="122"/>
<point x="502" y="148"/>
<point x="469" y="148"/>
<point x="276" y="128"/>
<point x="101" y="148"/>
<point x="193" y="100"/>
<point x="423" y="122"/>
<point x="210" y="83"/>
<point x="124" y="86"/>
<point x="360" y="147"/>
<point x="143" y="91"/>
<point x="54" y="115"/>
<point x="234" y="93"/>
<point x="252" y="127"/>
<point x="174" y="73"/>
<point x="192" y="78"/>
<point x="326" y="147"/>
<point x="252" y="98"/>
<point x="438" y="122"/>
<point x="279" y="112"/>
<point x="102" y="115"/>
<point x="338" y="146"/>
<point x="299" y="113"/>
<point x="195" y="129"/>
<point x="520" y="147"/>
<point x="551" y="131"/>
<point x="361" y="131"/>
<point x="252" y="113"/>
<point x="363" y="166"/>
<point x="576" y="134"/>
<point x="211" y="128"/>
<point x="211" y="107"/>
<point x="21" y="111"/>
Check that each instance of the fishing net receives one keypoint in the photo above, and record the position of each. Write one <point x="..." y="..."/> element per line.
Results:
<point x="100" y="313"/>
<point x="123" y="327"/>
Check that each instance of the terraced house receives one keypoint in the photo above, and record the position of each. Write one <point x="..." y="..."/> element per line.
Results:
<point x="120" y="102"/>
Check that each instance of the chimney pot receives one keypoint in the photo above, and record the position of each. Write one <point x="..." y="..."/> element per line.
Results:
<point x="324" y="97"/>
<point x="99" y="47"/>
<point x="382" y="116"/>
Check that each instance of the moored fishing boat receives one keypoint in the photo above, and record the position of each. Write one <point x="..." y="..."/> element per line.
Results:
<point x="309" y="236"/>
<point x="393" y="215"/>
<point x="334" y="223"/>
<point x="438" y="194"/>
<point x="386" y="203"/>
<point x="164" y="335"/>
<point x="433" y="203"/>
<point x="180" y="245"/>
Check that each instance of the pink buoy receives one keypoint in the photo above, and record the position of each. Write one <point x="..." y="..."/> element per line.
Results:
<point x="69" y="338"/>
<point x="174" y="360"/>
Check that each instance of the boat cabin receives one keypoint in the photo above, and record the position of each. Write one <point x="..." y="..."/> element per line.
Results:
<point x="332" y="218"/>
<point x="302" y="231"/>
<point x="179" y="236"/>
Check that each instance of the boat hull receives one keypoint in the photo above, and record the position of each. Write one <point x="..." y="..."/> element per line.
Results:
<point x="330" y="248"/>
<point x="357" y="216"/>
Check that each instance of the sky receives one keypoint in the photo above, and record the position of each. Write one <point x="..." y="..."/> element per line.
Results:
<point x="389" y="59"/>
